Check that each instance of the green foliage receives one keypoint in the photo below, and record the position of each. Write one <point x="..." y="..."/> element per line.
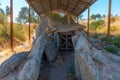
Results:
<point x="112" y="49"/>
<point x="116" y="41"/>
<point x="7" y="10"/>
<point x="23" y="16"/>
<point x="3" y="18"/>
<point x="114" y="44"/>
<point x="104" y="39"/>
<point x="2" y="11"/>
<point x="19" y="32"/>
<point x="97" y="16"/>
<point x="4" y="33"/>
<point x="113" y="28"/>
<point x="96" y="24"/>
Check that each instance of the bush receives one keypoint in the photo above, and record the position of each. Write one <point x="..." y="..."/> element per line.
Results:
<point x="4" y="33"/>
<point x="112" y="49"/>
<point x="113" y="28"/>
<point x="19" y="32"/>
<point x="96" y="24"/>
<point x="116" y="41"/>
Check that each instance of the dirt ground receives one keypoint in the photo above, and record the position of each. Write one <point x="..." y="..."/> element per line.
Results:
<point x="60" y="69"/>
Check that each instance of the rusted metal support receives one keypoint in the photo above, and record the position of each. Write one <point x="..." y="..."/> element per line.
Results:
<point x="29" y="22"/>
<point x="88" y="22"/>
<point x="11" y="24"/>
<point x="109" y="21"/>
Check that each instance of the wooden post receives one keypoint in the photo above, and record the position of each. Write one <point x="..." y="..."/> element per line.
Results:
<point x="109" y="21"/>
<point x="29" y="22"/>
<point x="11" y="24"/>
<point x="88" y="21"/>
<point x="68" y="18"/>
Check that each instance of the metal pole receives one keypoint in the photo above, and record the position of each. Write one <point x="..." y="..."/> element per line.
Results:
<point x="88" y="21"/>
<point x="11" y="24"/>
<point x="29" y="23"/>
<point x="109" y="20"/>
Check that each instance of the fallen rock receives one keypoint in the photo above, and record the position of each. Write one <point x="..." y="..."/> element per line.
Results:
<point x="12" y="63"/>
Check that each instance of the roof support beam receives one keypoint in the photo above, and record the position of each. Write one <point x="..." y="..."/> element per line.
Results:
<point x="42" y="6"/>
<point x="83" y="2"/>
<point x="87" y="5"/>
<point x="75" y="5"/>
<point x="67" y="5"/>
<point x="57" y="3"/>
<point x="32" y="6"/>
<point x="109" y="20"/>
<point x="50" y="4"/>
<point x="11" y="25"/>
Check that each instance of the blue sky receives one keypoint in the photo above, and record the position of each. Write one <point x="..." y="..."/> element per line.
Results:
<point x="101" y="6"/>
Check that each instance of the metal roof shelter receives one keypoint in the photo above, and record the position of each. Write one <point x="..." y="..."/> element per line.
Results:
<point x="75" y="7"/>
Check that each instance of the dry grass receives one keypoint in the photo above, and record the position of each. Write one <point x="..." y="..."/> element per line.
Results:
<point x="115" y="26"/>
<point x="6" y="53"/>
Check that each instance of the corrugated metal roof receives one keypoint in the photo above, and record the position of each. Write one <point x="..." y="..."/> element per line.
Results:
<point x="74" y="7"/>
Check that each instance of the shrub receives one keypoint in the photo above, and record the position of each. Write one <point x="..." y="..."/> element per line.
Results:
<point x="19" y="32"/>
<point x="112" y="49"/>
<point x="116" y="41"/>
<point x="96" y="24"/>
<point x="113" y="28"/>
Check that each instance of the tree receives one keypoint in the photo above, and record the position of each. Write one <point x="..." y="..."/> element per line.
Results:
<point x="93" y="16"/>
<point x="23" y="16"/>
<point x="103" y="16"/>
<point x="7" y="10"/>
<point x="98" y="16"/>
<point x="33" y="16"/>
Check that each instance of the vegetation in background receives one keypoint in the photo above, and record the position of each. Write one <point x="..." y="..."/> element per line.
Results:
<point x="96" y="16"/>
<point x="114" y="44"/>
<point x="20" y="31"/>
<point x="23" y="16"/>
<point x="96" y="24"/>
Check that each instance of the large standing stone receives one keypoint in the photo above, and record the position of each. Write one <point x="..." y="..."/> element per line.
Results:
<point x="50" y="51"/>
<point x="31" y="69"/>
<point x="93" y="64"/>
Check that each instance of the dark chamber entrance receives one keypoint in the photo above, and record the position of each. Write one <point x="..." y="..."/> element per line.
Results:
<point x="66" y="41"/>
